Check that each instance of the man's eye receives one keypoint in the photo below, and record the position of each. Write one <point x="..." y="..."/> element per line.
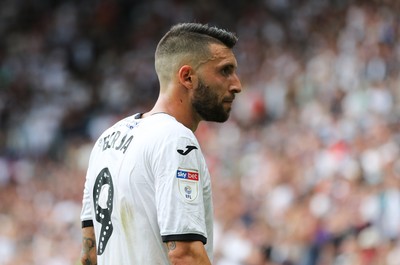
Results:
<point x="227" y="71"/>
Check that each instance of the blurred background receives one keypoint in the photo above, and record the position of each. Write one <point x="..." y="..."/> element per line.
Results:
<point x="305" y="172"/>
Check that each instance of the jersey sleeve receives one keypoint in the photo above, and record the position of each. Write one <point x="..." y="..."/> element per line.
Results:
<point x="86" y="212"/>
<point x="179" y="184"/>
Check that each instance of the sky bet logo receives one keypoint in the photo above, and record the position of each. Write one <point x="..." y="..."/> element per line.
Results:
<point x="189" y="175"/>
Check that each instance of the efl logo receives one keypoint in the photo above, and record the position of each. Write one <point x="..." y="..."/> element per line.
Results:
<point x="189" y="175"/>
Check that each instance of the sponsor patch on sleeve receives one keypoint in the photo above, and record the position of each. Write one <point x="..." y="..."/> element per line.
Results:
<point x="188" y="183"/>
<point x="188" y="175"/>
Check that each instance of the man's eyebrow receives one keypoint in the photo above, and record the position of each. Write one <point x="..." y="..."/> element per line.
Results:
<point x="228" y="65"/>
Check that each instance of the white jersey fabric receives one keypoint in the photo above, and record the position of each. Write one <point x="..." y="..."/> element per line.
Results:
<point x="147" y="183"/>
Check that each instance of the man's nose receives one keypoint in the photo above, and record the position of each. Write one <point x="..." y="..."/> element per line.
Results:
<point x="236" y="86"/>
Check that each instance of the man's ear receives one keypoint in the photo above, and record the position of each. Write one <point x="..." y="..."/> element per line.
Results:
<point x="187" y="76"/>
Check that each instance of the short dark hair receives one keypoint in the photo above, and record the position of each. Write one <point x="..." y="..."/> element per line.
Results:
<point x="192" y="39"/>
<point x="229" y="39"/>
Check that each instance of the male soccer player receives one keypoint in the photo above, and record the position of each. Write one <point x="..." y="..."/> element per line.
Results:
<point x="147" y="197"/>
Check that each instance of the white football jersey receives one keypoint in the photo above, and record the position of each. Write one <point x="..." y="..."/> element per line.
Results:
<point x="147" y="183"/>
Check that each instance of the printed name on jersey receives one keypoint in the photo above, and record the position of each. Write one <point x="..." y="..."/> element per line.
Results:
<point x="186" y="174"/>
<point x="115" y="141"/>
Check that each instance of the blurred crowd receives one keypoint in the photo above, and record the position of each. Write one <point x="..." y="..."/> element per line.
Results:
<point x="305" y="172"/>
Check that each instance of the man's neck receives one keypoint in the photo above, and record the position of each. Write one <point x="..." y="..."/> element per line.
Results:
<point x="178" y="110"/>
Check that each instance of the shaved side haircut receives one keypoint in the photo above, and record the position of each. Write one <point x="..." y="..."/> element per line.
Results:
<point x="188" y="43"/>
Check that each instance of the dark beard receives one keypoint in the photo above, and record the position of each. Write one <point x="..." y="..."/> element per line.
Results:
<point x="207" y="105"/>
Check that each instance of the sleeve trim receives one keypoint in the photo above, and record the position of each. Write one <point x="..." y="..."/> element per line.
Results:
<point x="184" y="237"/>
<point x="87" y="223"/>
